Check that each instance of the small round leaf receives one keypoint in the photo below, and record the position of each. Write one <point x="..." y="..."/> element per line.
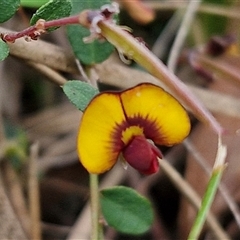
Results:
<point x="54" y="9"/>
<point x="87" y="53"/>
<point x="126" y="210"/>
<point x="8" y="8"/>
<point x="79" y="93"/>
<point x="4" y="50"/>
<point x="33" y="4"/>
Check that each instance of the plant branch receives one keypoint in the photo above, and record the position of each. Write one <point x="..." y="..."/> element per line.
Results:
<point x="39" y="28"/>
<point x="45" y="53"/>
<point x="135" y="50"/>
<point x="53" y="75"/>
<point x="58" y="58"/>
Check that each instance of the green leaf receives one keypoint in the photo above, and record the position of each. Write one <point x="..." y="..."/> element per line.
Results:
<point x="126" y="210"/>
<point x="7" y="9"/>
<point x="79" y="93"/>
<point x="4" y="50"/>
<point x="33" y="4"/>
<point x="87" y="53"/>
<point x="54" y="9"/>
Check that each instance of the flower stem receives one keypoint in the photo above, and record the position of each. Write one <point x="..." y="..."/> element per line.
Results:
<point x="97" y="230"/>
<point x="210" y="192"/>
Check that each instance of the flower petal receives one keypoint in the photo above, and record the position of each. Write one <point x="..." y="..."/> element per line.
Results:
<point x="162" y="117"/>
<point x="142" y="155"/>
<point x="96" y="145"/>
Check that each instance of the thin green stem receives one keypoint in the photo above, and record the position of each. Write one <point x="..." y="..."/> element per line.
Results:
<point x="191" y="196"/>
<point x="95" y="208"/>
<point x="211" y="190"/>
<point x="222" y="187"/>
<point x="206" y="204"/>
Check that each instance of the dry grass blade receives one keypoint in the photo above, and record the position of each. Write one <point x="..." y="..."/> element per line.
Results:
<point x="214" y="9"/>
<point x="10" y="227"/>
<point x="15" y="194"/>
<point x="33" y="191"/>
<point x="182" y="33"/>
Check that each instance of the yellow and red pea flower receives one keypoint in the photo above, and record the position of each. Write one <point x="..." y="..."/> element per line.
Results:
<point x="128" y="123"/>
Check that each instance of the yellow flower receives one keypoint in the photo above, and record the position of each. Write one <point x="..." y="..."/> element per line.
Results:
<point x="128" y="123"/>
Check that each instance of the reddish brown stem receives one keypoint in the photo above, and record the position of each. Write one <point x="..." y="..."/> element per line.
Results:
<point x="62" y="21"/>
<point x="40" y="27"/>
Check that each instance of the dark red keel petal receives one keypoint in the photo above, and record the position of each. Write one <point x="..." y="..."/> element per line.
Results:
<point x="142" y="155"/>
